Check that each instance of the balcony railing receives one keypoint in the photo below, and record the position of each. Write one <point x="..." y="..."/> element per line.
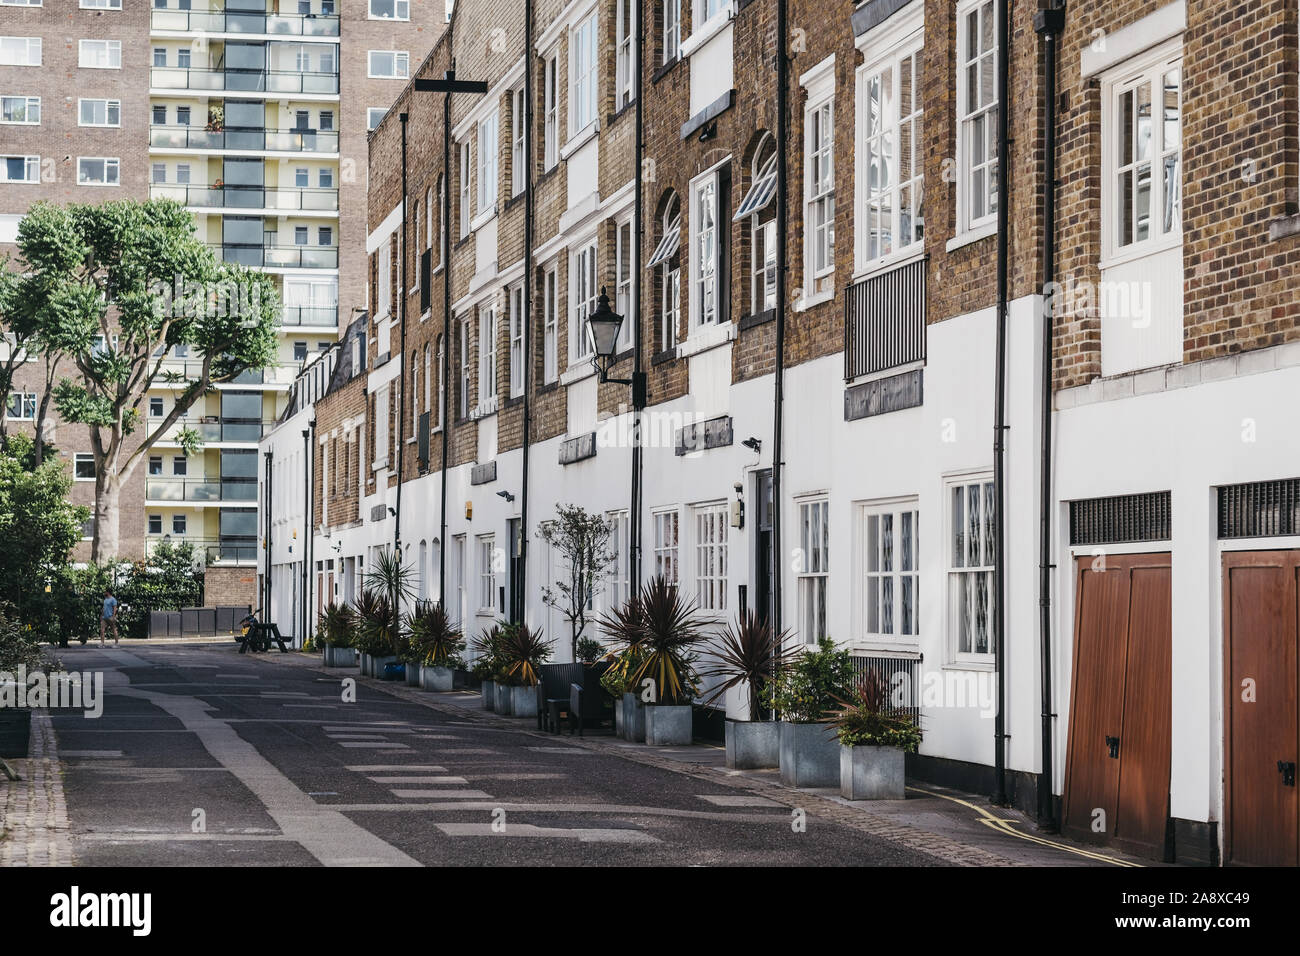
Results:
<point x="217" y="431"/>
<point x="281" y="257"/>
<point x="288" y="198"/>
<point x="884" y="320"/>
<point x="325" y="316"/>
<point x="243" y="80"/>
<point x="242" y="550"/>
<point x="180" y="371"/>
<point x="282" y="140"/>
<point x="275" y="24"/>
<point x="185" y="489"/>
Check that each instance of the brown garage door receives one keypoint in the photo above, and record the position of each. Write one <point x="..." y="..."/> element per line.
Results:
<point x="1260" y="747"/>
<point x="1117" y="762"/>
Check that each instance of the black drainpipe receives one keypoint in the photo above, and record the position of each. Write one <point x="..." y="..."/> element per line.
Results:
<point x="1048" y="24"/>
<point x="1000" y="411"/>
<point x="402" y="370"/>
<point x="782" y="231"/>
<point x="446" y="328"/>
<point x="522" y="563"/>
<point x="638" y="376"/>
<point x="307" y="530"/>
<point x="266" y="581"/>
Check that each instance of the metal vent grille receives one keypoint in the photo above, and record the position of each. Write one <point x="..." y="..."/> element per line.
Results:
<point x="1120" y="519"/>
<point x="1260" y="509"/>
<point x="901" y="676"/>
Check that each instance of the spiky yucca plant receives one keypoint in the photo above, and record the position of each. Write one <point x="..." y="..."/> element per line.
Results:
<point x="337" y="622"/>
<point x="433" y="638"/>
<point x="374" y="629"/>
<point x="670" y="630"/>
<point x="522" y="651"/>
<point x="870" y="720"/>
<point x="747" y="653"/>
<point x="625" y="628"/>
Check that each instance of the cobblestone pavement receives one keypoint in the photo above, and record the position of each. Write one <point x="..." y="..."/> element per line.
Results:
<point x="33" y="812"/>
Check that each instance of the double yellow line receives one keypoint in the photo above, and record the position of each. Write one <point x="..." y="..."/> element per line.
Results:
<point x="1007" y="825"/>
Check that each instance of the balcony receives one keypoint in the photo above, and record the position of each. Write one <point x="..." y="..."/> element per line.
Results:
<point x="281" y="257"/>
<point x="178" y="372"/>
<point x="274" y="24"/>
<point x="288" y="198"/>
<point x="200" y="490"/>
<point x="278" y="140"/>
<point x="243" y="81"/>
<point x="311" y="315"/>
<point x="239" y="550"/>
<point x="884" y="320"/>
<point x="213" y="430"/>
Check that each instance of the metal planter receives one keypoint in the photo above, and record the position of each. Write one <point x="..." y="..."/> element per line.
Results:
<point x="412" y="675"/>
<point x="810" y="755"/>
<point x="668" y="725"/>
<point x="439" y="679"/>
<point x="633" y="718"/>
<point x="753" y="744"/>
<point x="871" y="773"/>
<point x="523" y="701"/>
<point x="15" y="731"/>
<point x="489" y="691"/>
<point x="503" y="699"/>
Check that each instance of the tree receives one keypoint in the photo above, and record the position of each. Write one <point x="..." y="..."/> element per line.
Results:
<point x="38" y="527"/>
<point x="115" y="288"/>
<point x="17" y="331"/>
<point x="583" y="540"/>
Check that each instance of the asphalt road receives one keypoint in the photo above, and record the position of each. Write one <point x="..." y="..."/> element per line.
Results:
<point x="203" y="757"/>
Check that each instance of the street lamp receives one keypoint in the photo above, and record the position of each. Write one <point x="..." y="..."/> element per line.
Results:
<point x="604" y="324"/>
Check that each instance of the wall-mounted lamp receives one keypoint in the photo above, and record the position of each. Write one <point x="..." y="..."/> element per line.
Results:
<point x="506" y="495"/>
<point x="754" y="444"/>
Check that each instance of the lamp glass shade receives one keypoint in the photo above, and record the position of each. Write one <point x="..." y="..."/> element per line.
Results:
<point x="604" y="324"/>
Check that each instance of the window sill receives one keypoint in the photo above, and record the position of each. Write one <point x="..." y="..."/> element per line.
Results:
<point x="1283" y="227"/>
<point x="705" y="338"/>
<point x="482" y="219"/>
<point x="809" y="302"/>
<point x="1138" y="251"/>
<point x="756" y="319"/>
<point x="484" y="409"/>
<point x="512" y="401"/>
<point x="971" y="235"/>
<point x="580" y="370"/>
<point x="579" y="139"/>
<point x="706" y="31"/>
<point x="547" y="387"/>
<point x="667" y="355"/>
<point x="888" y="264"/>
<point x="664" y="70"/>
<point x="621" y="111"/>
<point x="515" y="199"/>
<point x="988" y="666"/>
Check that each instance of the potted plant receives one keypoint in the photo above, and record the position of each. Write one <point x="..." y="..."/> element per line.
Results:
<point x="485" y="667"/>
<point x="393" y="582"/>
<point x="748" y="657"/>
<point x="874" y="739"/>
<point x="671" y="629"/>
<point x="374" y="624"/>
<point x="437" y="645"/>
<point x="815" y="682"/>
<point x="337" y="622"/>
<point x="623" y="626"/>
<point x="522" y="651"/>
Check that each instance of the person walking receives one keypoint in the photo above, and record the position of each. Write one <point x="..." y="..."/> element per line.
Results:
<point x="108" y="618"/>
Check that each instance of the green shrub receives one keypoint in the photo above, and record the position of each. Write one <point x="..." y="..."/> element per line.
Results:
<point x="868" y="720"/>
<point x="816" y="681"/>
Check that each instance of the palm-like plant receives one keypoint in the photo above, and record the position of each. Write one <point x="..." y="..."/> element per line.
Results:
<point x="487" y="650"/>
<point x="433" y="638"/>
<point x="747" y="653"/>
<point x="671" y="628"/>
<point x="391" y="578"/>
<point x="336" y="624"/>
<point x="374" y="628"/>
<point x="522" y="652"/>
<point x="625" y="627"/>
<point x="871" y="720"/>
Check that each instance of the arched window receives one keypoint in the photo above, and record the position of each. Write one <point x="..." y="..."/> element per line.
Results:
<point x="422" y="571"/>
<point x="758" y="207"/>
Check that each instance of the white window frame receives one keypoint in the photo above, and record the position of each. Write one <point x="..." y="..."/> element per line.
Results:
<point x="112" y="170"/>
<point x="515" y="300"/>
<point x="1149" y="68"/>
<point x="97" y="4"/>
<point x="667" y="545"/>
<point x="984" y="113"/>
<point x="584" y="91"/>
<point x="110" y="49"/>
<point x="401" y="62"/>
<point x="550" y="324"/>
<point x="80" y="458"/>
<point x="518" y="124"/>
<point x="372" y="122"/>
<point x="551" y="124"/>
<point x="884" y="62"/>
<point x="813" y="579"/>
<point x="384" y="281"/>
<point x="819" y="200"/>
<point x="584" y="294"/>
<point x="877" y="586"/>
<point x="706" y="249"/>
<point x="382" y="440"/>
<point x="33" y="53"/>
<point x="29" y="104"/>
<point x="670" y="290"/>
<point x="619" y="583"/>
<point x="960" y="570"/>
<point x="487" y="163"/>
<point x="466" y="212"/>
<point x="487" y="354"/>
<point x="709" y="553"/>
<point x="108" y="106"/>
<point x="466" y="392"/>
<point x="625" y="53"/>
<point x="27" y="406"/>
<point x="485" y="551"/>
<point x="397" y="14"/>
<point x="672" y="30"/>
<point x="624" y="277"/>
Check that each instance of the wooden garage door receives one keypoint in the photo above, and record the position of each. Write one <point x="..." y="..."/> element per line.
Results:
<point x="1260" y="631"/>
<point x="1117" y="762"/>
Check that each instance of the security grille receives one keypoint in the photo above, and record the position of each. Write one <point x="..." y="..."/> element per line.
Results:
<point x="1120" y="519"/>
<point x="901" y="677"/>
<point x="1260" y="509"/>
